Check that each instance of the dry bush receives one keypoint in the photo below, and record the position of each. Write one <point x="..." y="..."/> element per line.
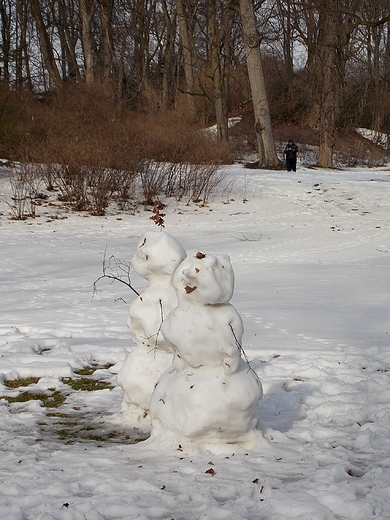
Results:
<point x="167" y="136"/>
<point x="100" y="188"/>
<point x="152" y="176"/>
<point x="125" y="187"/>
<point x="81" y="138"/>
<point x="300" y="134"/>
<point x="72" y="181"/>
<point x="200" y="180"/>
<point x="353" y="149"/>
<point x="174" y="180"/>
<point x="47" y="173"/>
<point x="181" y="161"/>
<point x="16" y="124"/>
<point x="90" y="125"/>
<point x="25" y="195"/>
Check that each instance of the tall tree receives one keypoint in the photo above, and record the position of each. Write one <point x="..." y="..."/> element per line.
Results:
<point x="87" y="9"/>
<point x="263" y="126"/>
<point x="220" y="23"/>
<point x="5" y="20"/>
<point x="46" y="46"/>
<point x="186" y="49"/>
<point x="168" y="59"/>
<point x="330" y="54"/>
<point x="106" y="54"/>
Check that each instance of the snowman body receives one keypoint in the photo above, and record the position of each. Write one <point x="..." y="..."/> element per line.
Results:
<point x="157" y="256"/>
<point x="209" y="394"/>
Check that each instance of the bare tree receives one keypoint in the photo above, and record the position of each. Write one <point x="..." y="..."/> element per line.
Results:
<point x="186" y="47"/>
<point x="220" y="28"/>
<point x="5" y="20"/>
<point x="22" y="67"/>
<point x="87" y="8"/>
<point x="338" y="20"/>
<point x="168" y="56"/>
<point x="46" y="44"/>
<point x="263" y="127"/>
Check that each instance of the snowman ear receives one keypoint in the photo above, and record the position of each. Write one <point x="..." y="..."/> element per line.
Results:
<point x="224" y="262"/>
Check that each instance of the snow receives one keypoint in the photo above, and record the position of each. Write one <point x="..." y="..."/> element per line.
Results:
<point x="310" y="252"/>
<point x="157" y="256"/>
<point x="379" y="138"/>
<point x="209" y="395"/>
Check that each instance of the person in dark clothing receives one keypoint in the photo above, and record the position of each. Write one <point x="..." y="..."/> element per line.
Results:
<point x="291" y="156"/>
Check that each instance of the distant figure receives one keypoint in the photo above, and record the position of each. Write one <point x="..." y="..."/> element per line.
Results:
<point x="291" y="156"/>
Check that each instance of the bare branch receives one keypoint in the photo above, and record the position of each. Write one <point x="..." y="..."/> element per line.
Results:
<point x="242" y="351"/>
<point x="115" y="270"/>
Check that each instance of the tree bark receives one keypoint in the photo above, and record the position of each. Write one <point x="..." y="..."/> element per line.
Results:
<point x="22" y="56"/>
<point x="220" y="106"/>
<point x="5" y="19"/>
<point x="106" y="48"/>
<point x="263" y="127"/>
<point x="187" y="58"/>
<point x="45" y="43"/>
<point x="168" y="56"/>
<point x="87" y="8"/>
<point x="330" y="77"/>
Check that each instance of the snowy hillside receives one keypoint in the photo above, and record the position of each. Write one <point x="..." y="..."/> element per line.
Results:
<point x="311" y="256"/>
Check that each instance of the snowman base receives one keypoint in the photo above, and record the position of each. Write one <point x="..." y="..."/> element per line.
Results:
<point x="206" y="406"/>
<point x="137" y="378"/>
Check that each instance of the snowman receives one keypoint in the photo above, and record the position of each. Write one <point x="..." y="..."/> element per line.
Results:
<point x="156" y="258"/>
<point x="209" y="394"/>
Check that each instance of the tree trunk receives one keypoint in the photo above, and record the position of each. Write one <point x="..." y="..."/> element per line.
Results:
<point x="87" y="8"/>
<point x="168" y="57"/>
<point x="263" y="126"/>
<point x="45" y="43"/>
<point x="379" y="74"/>
<point x="285" y="13"/>
<point x="221" y="115"/>
<point x="106" y="48"/>
<point x="5" y="40"/>
<point x="329" y="77"/>
<point x="187" y="58"/>
<point x="22" y="56"/>
<point x="68" y="33"/>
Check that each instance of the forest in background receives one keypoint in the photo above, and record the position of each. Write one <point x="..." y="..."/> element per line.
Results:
<point x="118" y="81"/>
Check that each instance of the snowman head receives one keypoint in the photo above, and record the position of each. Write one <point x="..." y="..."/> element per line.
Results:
<point x="205" y="279"/>
<point x="158" y="254"/>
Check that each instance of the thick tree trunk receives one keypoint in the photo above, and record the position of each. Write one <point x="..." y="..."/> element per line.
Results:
<point x="45" y="43"/>
<point x="106" y="48"/>
<point x="328" y="113"/>
<point x="263" y="126"/>
<point x="329" y="76"/>
<point x="86" y="12"/>
<point x="187" y="58"/>
<point x="5" y="40"/>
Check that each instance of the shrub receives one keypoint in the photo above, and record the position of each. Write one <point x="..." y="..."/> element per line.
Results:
<point x="25" y="185"/>
<point x="94" y="150"/>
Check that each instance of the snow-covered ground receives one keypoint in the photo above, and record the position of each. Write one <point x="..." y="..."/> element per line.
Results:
<point x="311" y="255"/>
